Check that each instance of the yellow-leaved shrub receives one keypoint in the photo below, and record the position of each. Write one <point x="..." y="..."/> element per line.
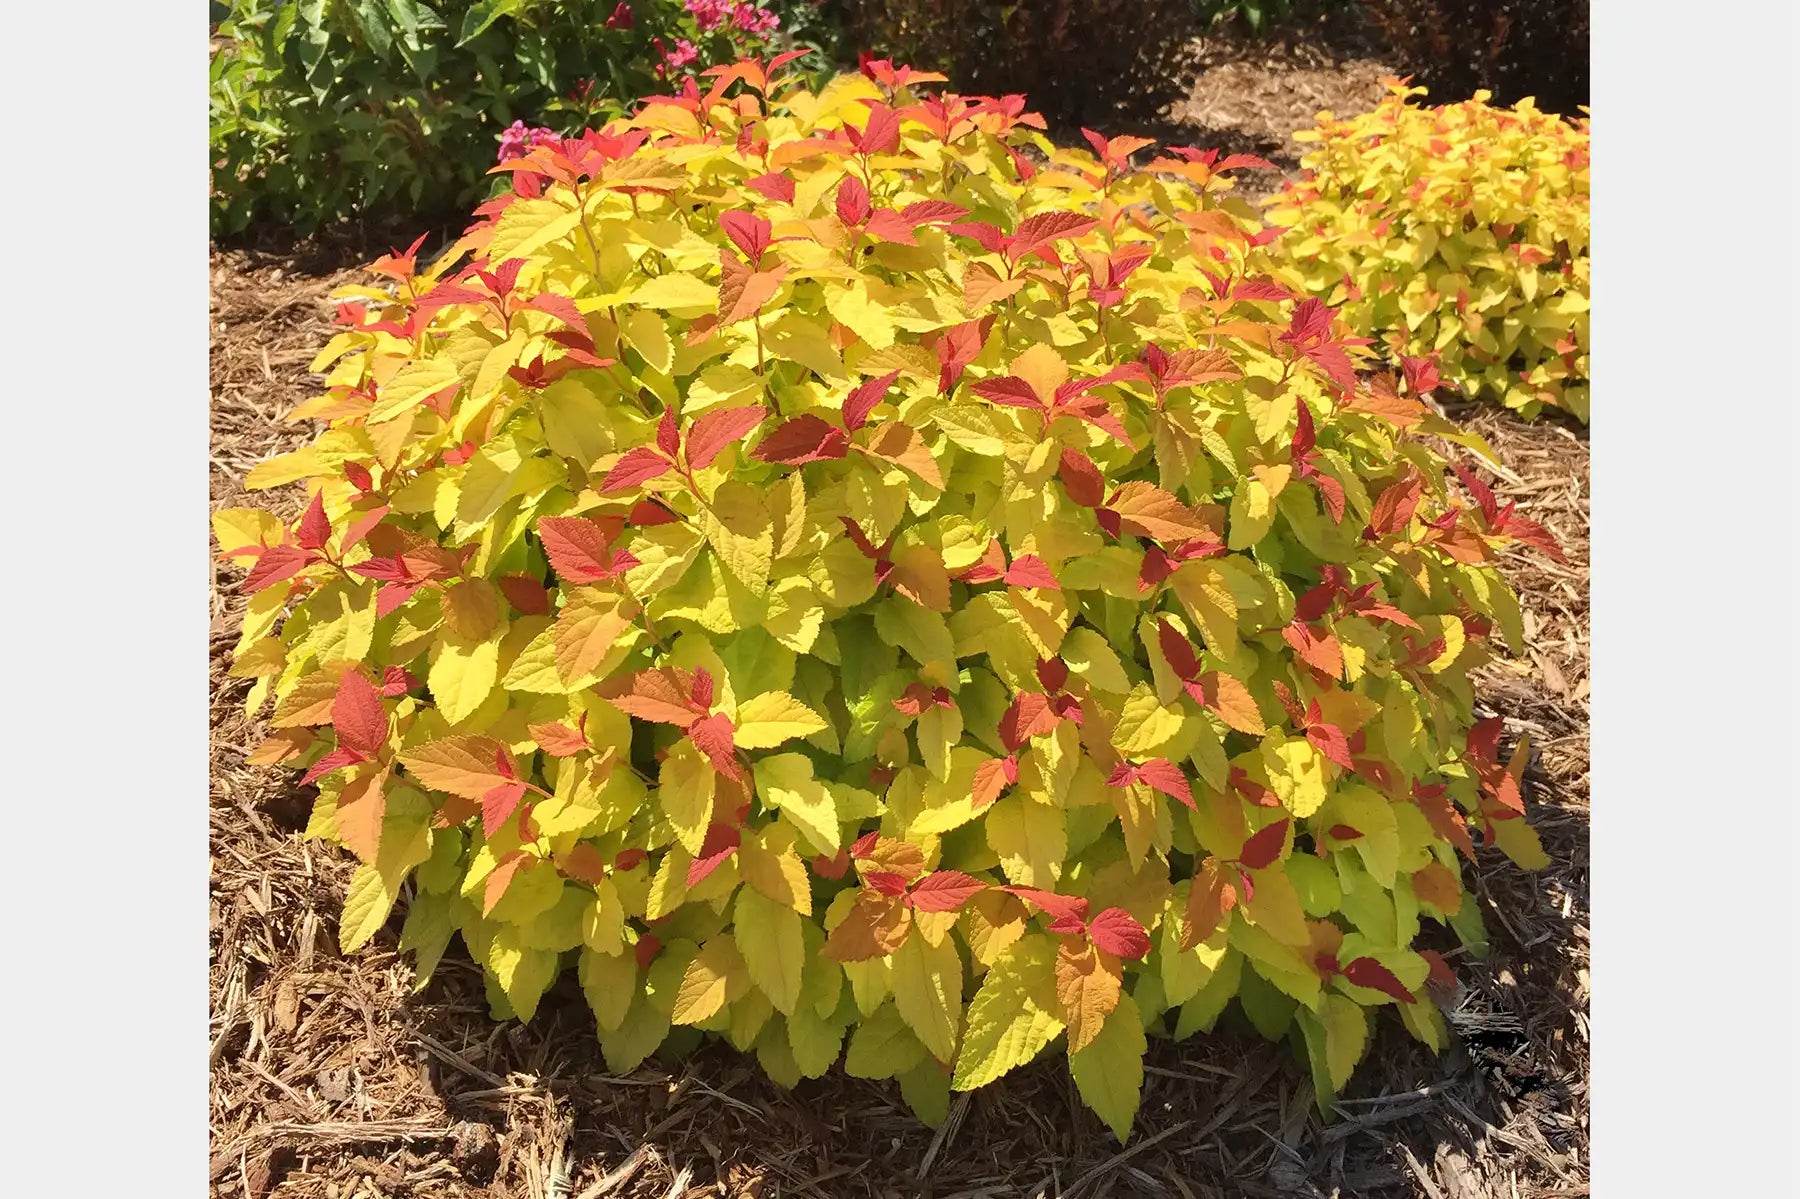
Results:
<point x="844" y="574"/>
<point x="1458" y="231"/>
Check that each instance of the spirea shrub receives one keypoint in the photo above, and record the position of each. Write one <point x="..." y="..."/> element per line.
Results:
<point x="845" y="575"/>
<point x="1460" y="231"/>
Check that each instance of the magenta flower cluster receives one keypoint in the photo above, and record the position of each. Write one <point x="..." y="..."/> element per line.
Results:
<point x="733" y="14"/>
<point x="517" y="139"/>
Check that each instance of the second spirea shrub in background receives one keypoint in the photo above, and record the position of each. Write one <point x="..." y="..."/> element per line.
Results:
<point x="843" y="574"/>
<point x="1459" y="230"/>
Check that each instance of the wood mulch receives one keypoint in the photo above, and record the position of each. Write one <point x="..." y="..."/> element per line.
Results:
<point x="331" y="1078"/>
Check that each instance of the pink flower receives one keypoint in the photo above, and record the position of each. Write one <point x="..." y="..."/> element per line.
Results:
<point x="517" y="139"/>
<point x="621" y="17"/>
<point x="683" y="53"/>
<point x="709" y="14"/>
<point x="753" y="19"/>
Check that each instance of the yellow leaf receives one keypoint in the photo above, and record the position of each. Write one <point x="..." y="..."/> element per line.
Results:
<point x="773" y="948"/>
<point x="609" y="982"/>
<point x="765" y="721"/>
<point x="1013" y="1016"/>
<point x="462" y="676"/>
<point x="366" y="907"/>
<point x="768" y="862"/>
<point x="675" y="292"/>
<point x="928" y="993"/>
<point x="1109" y="1072"/>
<point x="786" y="781"/>
<point x="1030" y="837"/>
<point x="415" y="383"/>
<point x="603" y="920"/>
<point x="1204" y="592"/>
<point x="685" y="791"/>
<point x="1296" y="773"/>
<point x="587" y="628"/>
<point x="529" y="225"/>
<point x="1145" y="726"/>
<point x="711" y="981"/>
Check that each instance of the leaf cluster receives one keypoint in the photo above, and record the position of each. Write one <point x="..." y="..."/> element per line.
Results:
<point x="1459" y="231"/>
<point x="852" y="577"/>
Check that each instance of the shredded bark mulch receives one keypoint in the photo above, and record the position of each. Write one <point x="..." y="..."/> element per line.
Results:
<point x="332" y="1078"/>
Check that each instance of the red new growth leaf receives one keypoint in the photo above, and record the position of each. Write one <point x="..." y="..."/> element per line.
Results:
<point x="337" y="759"/>
<point x="276" y="563"/>
<point x="315" y="528"/>
<point x="1309" y="332"/>
<point x="748" y="232"/>
<point x="359" y="477"/>
<point x="1264" y="846"/>
<point x="862" y="401"/>
<point x="498" y="805"/>
<point x="635" y="467"/>
<point x="1060" y="908"/>
<point x="1030" y="715"/>
<point x="721" y="842"/>
<point x="852" y="201"/>
<point x="1395" y="506"/>
<point x="774" y="185"/>
<point x="880" y="134"/>
<point x="668" y="433"/>
<point x="992" y="777"/>
<point x="1178" y="650"/>
<point x="1367" y="972"/>
<point x="1081" y="479"/>
<point x="558" y="739"/>
<point x="397" y="681"/>
<point x="803" y="439"/>
<point x="713" y="735"/>
<point x="358" y="717"/>
<point x="525" y="593"/>
<point x="945" y="891"/>
<point x="712" y="432"/>
<point x="1166" y="777"/>
<point x="579" y="549"/>
<point x="1041" y="228"/>
<point x="1029" y="570"/>
<point x="1117" y="932"/>
<point x="886" y="882"/>
<point x="957" y="346"/>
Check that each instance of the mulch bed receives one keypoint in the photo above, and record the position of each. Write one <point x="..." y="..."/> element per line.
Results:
<point x="331" y="1078"/>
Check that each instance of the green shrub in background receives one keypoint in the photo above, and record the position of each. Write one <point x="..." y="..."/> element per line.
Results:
<point x="330" y="109"/>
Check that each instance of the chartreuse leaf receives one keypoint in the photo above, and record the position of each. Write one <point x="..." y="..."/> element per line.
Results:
<point x="928" y="993"/>
<point x="765" y="721"/>
<point x="770" y="940"/>
<point x="1013" y="1015"/>
<point x="1109" y="1070"/>
<point x="708" y="562"/>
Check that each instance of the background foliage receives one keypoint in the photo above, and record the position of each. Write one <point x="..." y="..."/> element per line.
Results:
<point x="843" y="584"/>
<point x="327" y="109"/>
<point x="1459" y="231"/>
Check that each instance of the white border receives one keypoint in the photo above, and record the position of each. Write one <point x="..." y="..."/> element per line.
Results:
<point x="1693" y="597"/>
<point x="105" y="496"/>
